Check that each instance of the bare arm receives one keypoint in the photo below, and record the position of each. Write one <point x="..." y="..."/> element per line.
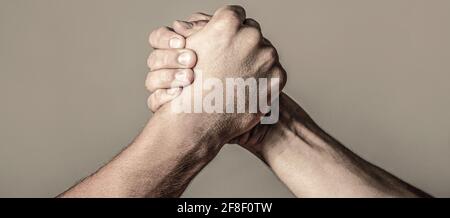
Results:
<point x="159" y="163"/>
<point x="308" y="160"/>
<point x="314" y="164"/>
<point x="174" y="147"/>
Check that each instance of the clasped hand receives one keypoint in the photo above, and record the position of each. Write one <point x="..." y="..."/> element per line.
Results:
<point x="225" y="45"/>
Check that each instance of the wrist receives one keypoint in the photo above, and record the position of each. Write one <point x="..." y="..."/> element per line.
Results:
<point x="160" y="162"/>
<point x="294" y="128"/>
<point x="182" y="133"/>
<point x="168" y="151"/>
<point x="325" y="167"/>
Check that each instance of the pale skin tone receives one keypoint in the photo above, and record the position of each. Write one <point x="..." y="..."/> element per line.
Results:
<point x="173" y="148"/>
<point x="309" y="161"/>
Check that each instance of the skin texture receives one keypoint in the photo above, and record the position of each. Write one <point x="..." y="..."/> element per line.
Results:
<point x="308" y="160"/>
<point x="161" y="163"/>
<point x="314" y="164"/>
<point x="174" y="147"/>
<point x="238" y="51"/>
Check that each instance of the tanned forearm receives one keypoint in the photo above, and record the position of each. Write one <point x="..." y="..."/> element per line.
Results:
<point x="313" y="164"/>
<point x="161" y="162"/>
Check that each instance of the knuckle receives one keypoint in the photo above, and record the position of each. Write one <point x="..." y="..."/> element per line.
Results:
<point x="272" y="53"/>
<point x="232" y="23"/>
<point x="152" y="60"/>
<point x="158" y="94"/>
<point x="269" y="57"/>
<point x="253" y="23"/>
<point x="283" y="77"/>
<point x="165" y="76"/>
<point x="253" y="34"/>
<point x="276" y="73"/>
<point x="148" y="82"/>
<point x="158" y="59"/>
<point x="279" y="72"/>
<point x="160" y="31"/>
<point x="189" y="75"/>
<point x="230" y="15"/>
<point x="156" y="34"/>
<point x="237" y="9"/>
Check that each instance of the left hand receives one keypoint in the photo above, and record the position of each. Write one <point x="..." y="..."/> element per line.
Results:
<point x="171" y="67"/>
<point x="170" y="76"/>
<point x="163" y="92"/>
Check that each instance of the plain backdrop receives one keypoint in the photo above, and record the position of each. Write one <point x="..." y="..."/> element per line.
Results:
<point x="374" y="74"/>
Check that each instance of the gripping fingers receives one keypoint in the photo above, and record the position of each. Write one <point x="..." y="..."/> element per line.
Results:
<point x="171" y="59"/>
<point x="231" y="14"/>
<point x="162" y="96"/>
<point x="169" y="78"/>
<point x="165" y="37"/>
<point x="186" y="29"/>
<point x="253" y="23"/>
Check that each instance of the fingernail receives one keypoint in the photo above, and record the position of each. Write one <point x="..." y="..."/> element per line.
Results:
<point x="181" y="76"/>
<point x="175" y="43"/>
<point x="173" y="91"/>
<point x="184" y="58"/>
<point x="185" y="24"/>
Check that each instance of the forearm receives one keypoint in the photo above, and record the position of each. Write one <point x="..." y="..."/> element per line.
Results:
<point x="313" y="164"/>
<point x="161" y="162"/>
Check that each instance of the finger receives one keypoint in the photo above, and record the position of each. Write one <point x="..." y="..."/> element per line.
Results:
<point x="244" y="138"/>
<point x="162" y="96"/>
<point x="199" y="16"/>
<point x="171" y="59"/>
<point x="252" y="34"/>
<point x="258" y="134"/>
<point x="280" y="72"/>
<point x="277" y="81"/>
<point x="165" y="37"/>
<point x="168" y="78"/>
<point x="267" y="42"/>
<point x="253" y="134"/>
<point x="253" y="23"/>
<point x="186" y="29"/>
<point x="234" y="140"/>
<point x="232" y="16"/>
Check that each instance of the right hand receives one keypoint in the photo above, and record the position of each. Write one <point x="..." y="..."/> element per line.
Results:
<point x="237" y="50"/>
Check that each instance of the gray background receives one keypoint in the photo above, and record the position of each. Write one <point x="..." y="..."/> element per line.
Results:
<point x="375" y="74"/>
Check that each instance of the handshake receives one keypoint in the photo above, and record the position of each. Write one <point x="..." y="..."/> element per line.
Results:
<point x="193" y="60"/>
<point x="215" y="80"/>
